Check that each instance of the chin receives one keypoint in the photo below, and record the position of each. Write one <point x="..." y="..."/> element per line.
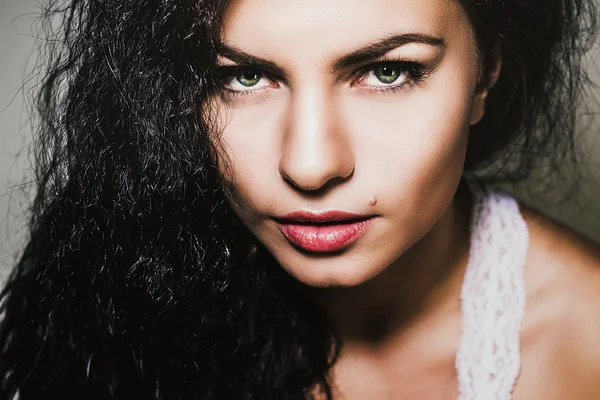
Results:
<point x="333" y="271"/>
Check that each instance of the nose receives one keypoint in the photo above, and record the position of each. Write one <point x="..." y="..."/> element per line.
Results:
<point x="316" y="149"/>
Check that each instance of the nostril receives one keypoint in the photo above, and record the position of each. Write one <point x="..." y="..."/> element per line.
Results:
<point x="313" y="185"/>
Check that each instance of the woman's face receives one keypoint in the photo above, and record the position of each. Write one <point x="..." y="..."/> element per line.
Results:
<point x="346" y="129"/>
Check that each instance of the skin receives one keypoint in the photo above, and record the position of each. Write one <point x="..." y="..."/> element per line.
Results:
<point x="323" y="141"/>
<point x="311" y="136"/>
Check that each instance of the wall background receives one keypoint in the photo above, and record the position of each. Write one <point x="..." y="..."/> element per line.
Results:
<point x="16" y="47"/>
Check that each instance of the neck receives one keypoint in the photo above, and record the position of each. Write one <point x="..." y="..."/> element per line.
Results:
<point x="420" y="285"/>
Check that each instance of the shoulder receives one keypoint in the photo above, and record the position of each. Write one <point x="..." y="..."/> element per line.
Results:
<point x="563" y="300"/>
<point x="561" y="254"/>
<point x="562" y="260"/>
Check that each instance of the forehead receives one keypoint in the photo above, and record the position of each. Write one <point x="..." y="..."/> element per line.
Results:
<point x="310" y="28"/>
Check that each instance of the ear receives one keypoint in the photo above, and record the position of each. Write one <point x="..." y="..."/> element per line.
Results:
<point x="489" y="80"/>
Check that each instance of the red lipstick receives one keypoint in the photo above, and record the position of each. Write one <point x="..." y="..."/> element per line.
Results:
<point x="323" y="232"/>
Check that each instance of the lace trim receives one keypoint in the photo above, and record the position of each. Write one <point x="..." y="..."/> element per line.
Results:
<point x="492" y="299"/>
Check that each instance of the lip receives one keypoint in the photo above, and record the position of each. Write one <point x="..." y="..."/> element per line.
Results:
<point x="323" y="232"/>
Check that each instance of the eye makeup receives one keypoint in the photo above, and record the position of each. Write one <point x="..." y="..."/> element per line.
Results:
<point x="411" y="72"/>
<point x="408" y="73"/>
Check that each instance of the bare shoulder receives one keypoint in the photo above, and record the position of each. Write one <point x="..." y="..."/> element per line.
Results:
<point x="563" y="300"/>
<point x="561" y="254"/>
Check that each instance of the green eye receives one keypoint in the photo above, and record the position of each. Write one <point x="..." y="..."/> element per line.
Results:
<point x="387" y="73"/>
<point x="248" y="78"/>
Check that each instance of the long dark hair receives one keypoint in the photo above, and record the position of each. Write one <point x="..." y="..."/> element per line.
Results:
<point x="138" y="280"/>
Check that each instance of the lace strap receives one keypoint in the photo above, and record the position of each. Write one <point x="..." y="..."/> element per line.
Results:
<point x="492" y="299"/>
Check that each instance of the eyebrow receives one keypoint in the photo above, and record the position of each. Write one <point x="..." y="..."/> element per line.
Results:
<point x="366" y="53"/>
<point x="381" y="47"/>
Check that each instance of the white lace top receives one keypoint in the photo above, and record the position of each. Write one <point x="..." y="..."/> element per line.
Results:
<point x="492" y="298"/>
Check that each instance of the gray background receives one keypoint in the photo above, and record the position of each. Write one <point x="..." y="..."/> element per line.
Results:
<point x="17" y="17"/>
<point x="16" y="45"/>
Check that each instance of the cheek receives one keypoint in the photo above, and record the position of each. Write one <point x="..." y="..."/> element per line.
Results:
<point x="251" y="147"/>
<point x="414" y="145"/>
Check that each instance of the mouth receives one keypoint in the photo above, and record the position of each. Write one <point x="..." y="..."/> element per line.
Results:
<point x="323" y="232"/>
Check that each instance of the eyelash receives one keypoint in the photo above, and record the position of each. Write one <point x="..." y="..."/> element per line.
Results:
<point x="416" y="73"/>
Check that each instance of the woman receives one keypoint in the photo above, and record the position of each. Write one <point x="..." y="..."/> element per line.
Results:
<point x="275" y="199"/>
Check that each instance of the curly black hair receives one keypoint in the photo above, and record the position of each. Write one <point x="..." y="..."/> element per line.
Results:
<point x="138" y="280"/>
